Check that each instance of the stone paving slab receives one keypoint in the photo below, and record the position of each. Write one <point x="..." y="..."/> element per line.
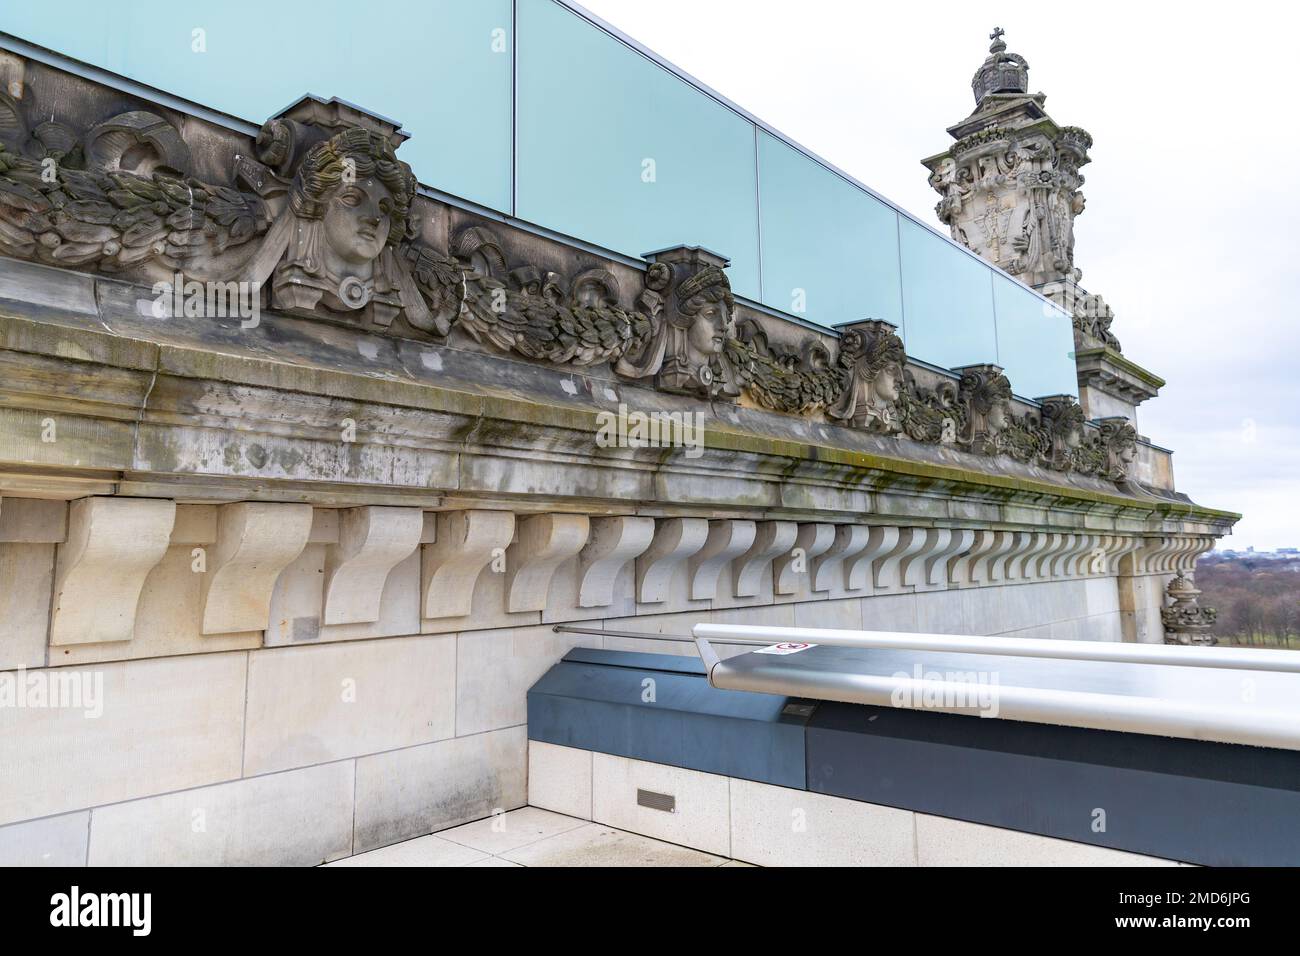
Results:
<point x="534" y="837"/>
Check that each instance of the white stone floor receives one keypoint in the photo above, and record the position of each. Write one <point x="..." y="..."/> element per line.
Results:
<point x="534" y="837"/>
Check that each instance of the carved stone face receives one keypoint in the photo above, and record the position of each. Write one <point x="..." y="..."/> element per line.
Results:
<point x="357" y="219"/>
<point x="886" y="384"/>
<point x="998" y="416"/>
<point x="708" y="329"/>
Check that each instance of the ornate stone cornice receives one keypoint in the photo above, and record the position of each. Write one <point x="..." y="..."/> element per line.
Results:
<point x="321" y="218"/>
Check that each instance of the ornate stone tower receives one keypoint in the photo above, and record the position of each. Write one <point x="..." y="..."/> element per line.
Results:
<point x="1011" y="189"/>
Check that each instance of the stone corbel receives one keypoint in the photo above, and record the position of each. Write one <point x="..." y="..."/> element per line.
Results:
<point x="112" y="545"/>
<point x="972" y="569"/>
<point x="814" y="539"/>
<point x="889" y="570"/>
<point x="1076" y="559"/>
<point x="728" y="539"/>
<point x="1150" y="558"/>
<point x="464" y="543"/>
<point x="612" y="544"/>
<point x="859" y="570"/>
<point x="999" y="562"/>
<point x="934" y="542"/>
<point x="772" y="538"/>
<point x="545" y="542"/>
<point x="1197" y="548"/>
<point x="936" y="563"/>
<point x="371" y="542"/>
<point x="850" y="541"/>
<point x="1040" y="569"/>
<point x="1097" y="560"/>
<point x="1056" y="568"/>
<point x="255" y="542"/>
<point x="1126" y="557"/>
<point x="675" y="540"/>
<point x="1021" y="566"/>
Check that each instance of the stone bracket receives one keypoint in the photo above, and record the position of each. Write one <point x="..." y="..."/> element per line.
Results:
<point x="371" y="542"/>
<point x="545" y="541"/>
<point x="675" y="540"/>
<point x="859" y="570"/>
<point x="815" y="539"/>
<point x="255" y="542"/>
<point x="728" y="539"/>
<point x="613" y="543"/>
<point x="112" y="545"/>
<point x="464" y="543"/>
<point x="889" y="570"/>
<point x="936" y="563"/>
<point x="771" y="539"/>
<point x="850" y="541"/>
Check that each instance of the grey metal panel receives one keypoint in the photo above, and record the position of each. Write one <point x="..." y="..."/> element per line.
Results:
<point x="1194" y="801"/>
<point x="675" y="663"/>
<point x="606" y="707"/>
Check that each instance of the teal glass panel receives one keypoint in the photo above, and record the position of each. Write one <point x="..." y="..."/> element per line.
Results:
<point x="947" y="301"/>
<point x="436" y="66"/>
<point x="1035" y="342"/>
<point x="827" y="245"/>
<point x="615" y="150"/>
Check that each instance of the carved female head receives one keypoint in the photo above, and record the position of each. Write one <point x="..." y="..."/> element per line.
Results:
<point x="705" y="308"/>
<point x="359" y="192"/>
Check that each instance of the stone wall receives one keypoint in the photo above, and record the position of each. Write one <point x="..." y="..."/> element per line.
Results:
<point x="300" y="741"/>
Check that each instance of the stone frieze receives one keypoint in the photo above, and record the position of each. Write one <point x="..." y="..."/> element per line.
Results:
<point x="322" y="223"/>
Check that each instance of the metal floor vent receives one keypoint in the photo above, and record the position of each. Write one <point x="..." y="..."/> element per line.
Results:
<point x="656" y="801"/>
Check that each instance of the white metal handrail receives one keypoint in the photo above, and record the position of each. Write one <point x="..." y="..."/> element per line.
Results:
<point x="1229" y="658"/>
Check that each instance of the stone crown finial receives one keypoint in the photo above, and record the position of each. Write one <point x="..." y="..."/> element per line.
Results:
<point x="1001" y="72"/>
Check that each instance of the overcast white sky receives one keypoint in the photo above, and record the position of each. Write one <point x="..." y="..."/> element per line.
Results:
<point x="1193" y="212"/>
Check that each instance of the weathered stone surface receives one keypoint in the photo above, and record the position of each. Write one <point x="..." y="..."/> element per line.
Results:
<point x="51" y="841"/>
<point x="560" y="779"/>
<point x="58" y="759"/>
<point x="297" y="818"/>
<point x="776" y="826"/>
<point x="310" y="705"/>
<point x="410" y="792"/>
<point x="494" y="670"/>
<point x="26" y="581"/>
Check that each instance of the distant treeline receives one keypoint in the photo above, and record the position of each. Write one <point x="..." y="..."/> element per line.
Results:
<point x="1258" y="600"/>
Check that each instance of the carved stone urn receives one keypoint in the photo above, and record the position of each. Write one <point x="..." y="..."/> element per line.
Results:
<point x="1186" y="622"/>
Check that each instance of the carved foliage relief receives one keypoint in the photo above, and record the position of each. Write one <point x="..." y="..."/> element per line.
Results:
<point x="322" y="222"/>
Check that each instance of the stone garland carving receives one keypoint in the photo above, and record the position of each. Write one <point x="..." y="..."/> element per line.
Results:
<point x="323" y="221"/>
<point x="323" y="218"/>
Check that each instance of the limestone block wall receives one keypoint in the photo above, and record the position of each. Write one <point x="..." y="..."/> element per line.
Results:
<point x="260" y="682"/>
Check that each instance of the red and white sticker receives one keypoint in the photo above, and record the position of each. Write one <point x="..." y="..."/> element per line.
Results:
<point x="784" y="648"/>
